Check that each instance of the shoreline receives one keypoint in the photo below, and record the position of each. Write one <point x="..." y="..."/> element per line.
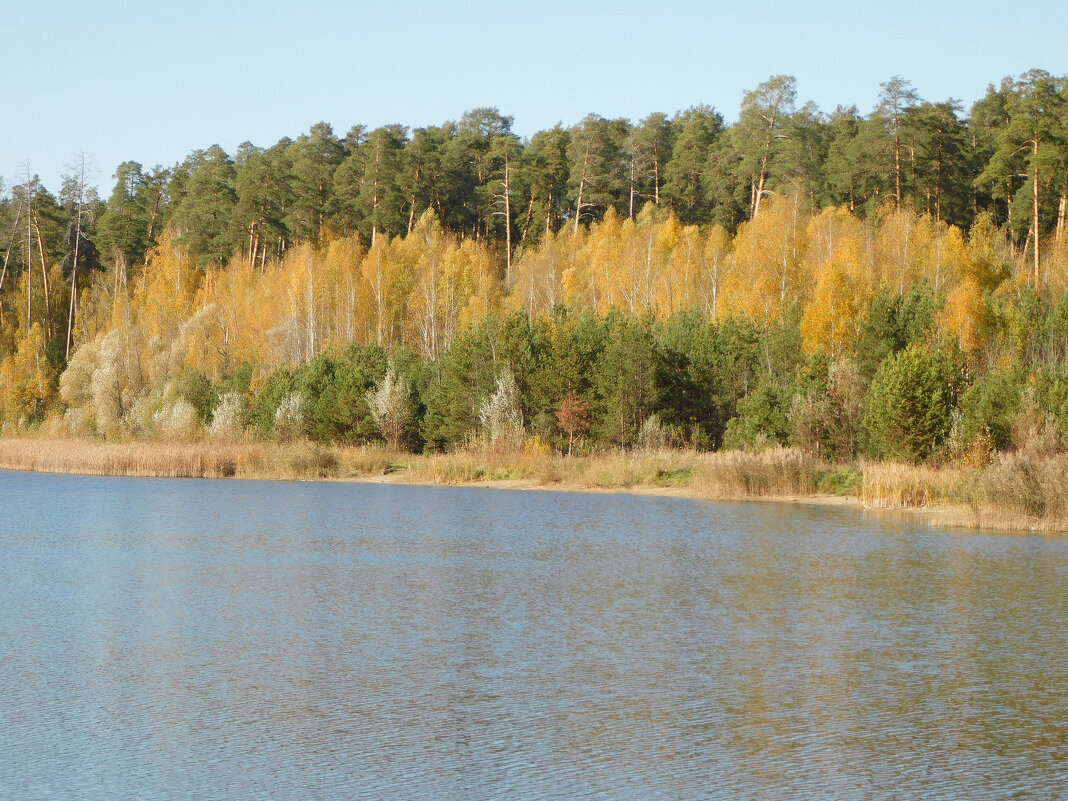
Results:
<point x="938" y="516"/>
<point x="778" y="475"/>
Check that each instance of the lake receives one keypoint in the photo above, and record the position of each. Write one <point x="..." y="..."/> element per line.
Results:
<point x="240" y="640"/>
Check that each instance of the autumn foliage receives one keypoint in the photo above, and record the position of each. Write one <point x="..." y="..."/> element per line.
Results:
<point x="788" y="332"/>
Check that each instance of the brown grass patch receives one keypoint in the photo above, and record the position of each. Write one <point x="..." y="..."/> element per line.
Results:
<point x="1021" y="493"/>
<point x="297" y="460"/>
<point x="1014" y="493"/>
<point x="775" y="472"/>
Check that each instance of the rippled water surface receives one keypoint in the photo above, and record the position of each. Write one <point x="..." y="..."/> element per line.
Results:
<point x="234" y="640"/>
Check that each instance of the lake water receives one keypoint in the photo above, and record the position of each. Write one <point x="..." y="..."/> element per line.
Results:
<point x="240" y="640"/>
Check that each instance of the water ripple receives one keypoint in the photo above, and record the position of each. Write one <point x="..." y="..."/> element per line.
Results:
<point x="239" y="640"/>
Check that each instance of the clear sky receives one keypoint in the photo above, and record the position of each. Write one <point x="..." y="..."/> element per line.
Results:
<point x="150" y="82"/>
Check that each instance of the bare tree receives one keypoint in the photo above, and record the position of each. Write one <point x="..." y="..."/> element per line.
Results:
<point x="77" y="186"/>
<point x="30" y="188"/>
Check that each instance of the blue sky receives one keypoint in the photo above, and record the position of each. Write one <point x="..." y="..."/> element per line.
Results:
<point x="150" y="81"/>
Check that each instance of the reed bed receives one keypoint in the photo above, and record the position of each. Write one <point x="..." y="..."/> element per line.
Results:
<point x="781" y="472"/>
<point x="775" y="472"/>
<point x="306" y="460"/>
<point x="171" y="460"/>
<point x="606" y="471"/>
<point x="300" y="460"/>
<point x="1015" y="492"/>
<point x="888" y="485"/>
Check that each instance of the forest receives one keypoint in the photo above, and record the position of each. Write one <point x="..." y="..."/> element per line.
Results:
<point x="891" y="285"/>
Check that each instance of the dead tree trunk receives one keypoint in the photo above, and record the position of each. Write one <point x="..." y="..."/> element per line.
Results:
<point x="1034" y="188"/>
<point x="581" y="188"/>
<point x="44" y="278"/>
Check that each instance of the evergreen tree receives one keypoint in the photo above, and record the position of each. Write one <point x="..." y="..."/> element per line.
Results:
<point x="896" y="101"/>
<point x="594" y="156"/>
<point x="379" y="203"/>
<point x="684" y="176"/>
<point x="122" y="234"/>
<point x="625" y="377"/>
<point x="263" y="197"/>
<point x="908" y="415"/>
<point x="942" y="179"/>
<point x="763" y="125"/>
<point x="207" y="205"/>
<point x="315" y="158"/>
<point x="650" y="149"/>
<point x="542" y="178"/>
<point x="1030" y="146"/>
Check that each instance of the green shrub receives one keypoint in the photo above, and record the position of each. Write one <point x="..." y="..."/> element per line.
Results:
<point x="908" y="416"/>
<point x="195" y="387"/>
<point x="761" y="420"/>
<point x="843" y="481"/>
<point x="989" y="405"/>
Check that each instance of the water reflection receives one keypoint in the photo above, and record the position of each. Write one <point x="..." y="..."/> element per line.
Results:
<point x="166" y="639"/>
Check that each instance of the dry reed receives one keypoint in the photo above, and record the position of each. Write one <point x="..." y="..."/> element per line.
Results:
<point x="298" y="460"/>
<point x="775" y="472"/>
<point x="609" y="470"/>
<point x="888" y="485"/>
<point x="1016" y="492"/>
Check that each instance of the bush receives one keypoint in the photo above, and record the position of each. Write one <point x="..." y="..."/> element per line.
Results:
<point x="391" y="407"/>
<point x="290" y="418"/>
<point x="908" y="417"/>
<point x="653" y="435"/>
<point x="988" y="408"/>
<point x="1033" y="430"/>
<point x="761" y="421"/>
<point x="843" y="481"/>
<point x="177" y="421"/>
<point x="195" y="387"/>
<point x="500" y="414"/>
<point x="334" y="388"/>
<point x="810" y="418"/>
<point x="230" y="417"/>
<point x="278" y="385"/>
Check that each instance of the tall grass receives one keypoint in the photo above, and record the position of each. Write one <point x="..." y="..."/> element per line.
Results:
<point x="889" y="485"/>
<point x="163" y="459"/>
<point x="298" y="460"/>
<point x="1015" y="492"/>
<point x="775" y="472"/>
<point x="608" y="470"/>
<point x="1034" y="489"/>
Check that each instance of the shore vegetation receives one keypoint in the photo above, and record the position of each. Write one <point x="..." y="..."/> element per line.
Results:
<point x="789" y="304"/>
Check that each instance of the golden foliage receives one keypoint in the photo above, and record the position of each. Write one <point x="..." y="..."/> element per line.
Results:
<point x="769" y="254"/>
<point x="27" y="381"/>
<point x="420" y="290"/>
<point x="844" y="282"/>
<point x="964" y="315"/>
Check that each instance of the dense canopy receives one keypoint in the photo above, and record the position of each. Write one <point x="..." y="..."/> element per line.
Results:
<point x="721" y="284"/>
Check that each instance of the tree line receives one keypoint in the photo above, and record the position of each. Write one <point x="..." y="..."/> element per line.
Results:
<point x="232" y="277"/>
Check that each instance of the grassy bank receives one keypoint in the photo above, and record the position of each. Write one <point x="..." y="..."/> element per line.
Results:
<point x="774" y="473"/>
<point x="1014" y="493"/>
<point x="300" y="460"/>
